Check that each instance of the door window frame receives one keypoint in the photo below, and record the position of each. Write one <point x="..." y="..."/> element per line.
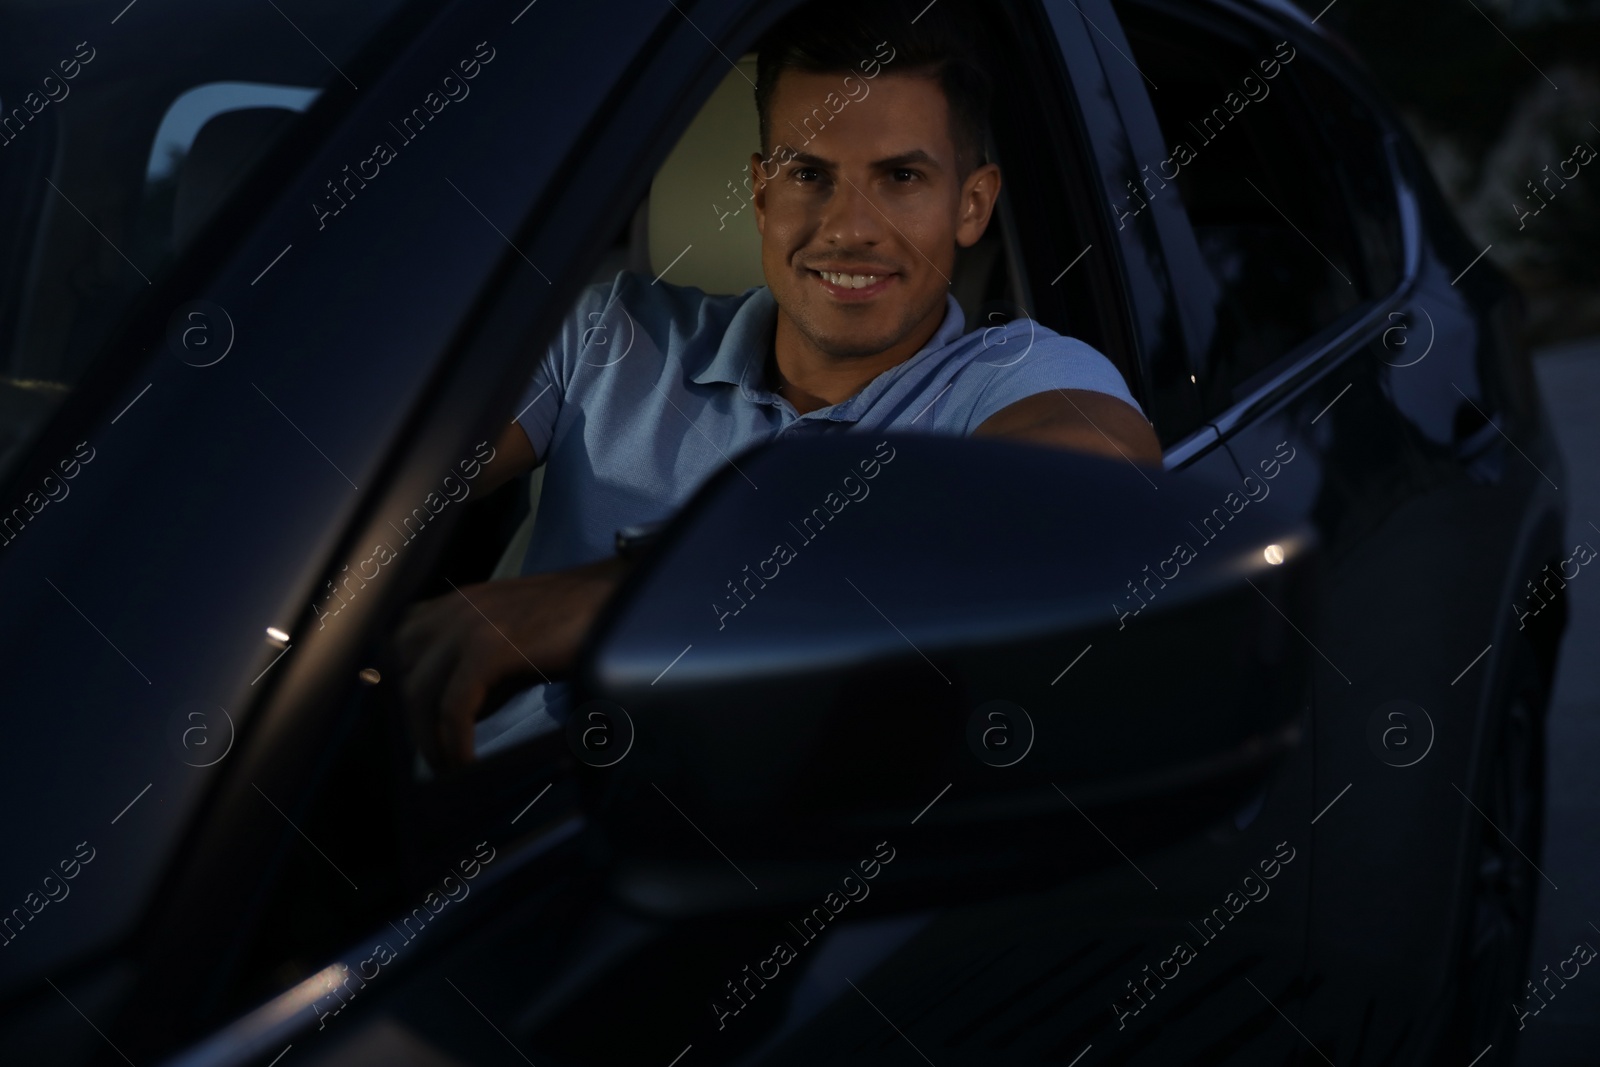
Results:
<point x="1358" y="327"/>
<point x="1154" y="248"/>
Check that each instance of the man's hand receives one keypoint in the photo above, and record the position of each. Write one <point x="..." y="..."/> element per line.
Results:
<point x="459" y="650"/>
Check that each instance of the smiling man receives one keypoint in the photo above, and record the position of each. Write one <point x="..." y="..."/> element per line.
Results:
<point x="861" y="210"/>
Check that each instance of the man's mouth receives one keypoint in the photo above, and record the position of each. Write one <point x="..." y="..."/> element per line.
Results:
<point x="851" y="286"/>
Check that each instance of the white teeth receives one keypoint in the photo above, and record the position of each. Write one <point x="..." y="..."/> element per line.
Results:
<point x="850" y="281"/>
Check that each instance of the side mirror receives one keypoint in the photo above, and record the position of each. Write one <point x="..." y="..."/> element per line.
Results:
<point x="844" y="629"/>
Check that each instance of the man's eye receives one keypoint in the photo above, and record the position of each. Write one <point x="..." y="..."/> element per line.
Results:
<point x="806" y="174"/>
<point x="902" y="174"/>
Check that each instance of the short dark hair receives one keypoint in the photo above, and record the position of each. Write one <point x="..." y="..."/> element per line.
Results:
<point x="838" y="35"/>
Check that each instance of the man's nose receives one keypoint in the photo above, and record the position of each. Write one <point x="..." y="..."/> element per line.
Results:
<point x="851" y="217"/>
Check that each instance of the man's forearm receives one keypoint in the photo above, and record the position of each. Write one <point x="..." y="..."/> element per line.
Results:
<point x="460" y="649"/>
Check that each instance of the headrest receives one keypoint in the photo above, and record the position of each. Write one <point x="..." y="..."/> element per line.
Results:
<point x="223" y="149"/>
<point x="700" y="199"/>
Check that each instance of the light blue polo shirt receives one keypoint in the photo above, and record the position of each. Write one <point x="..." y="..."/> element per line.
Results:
<point x="650" y="388"/>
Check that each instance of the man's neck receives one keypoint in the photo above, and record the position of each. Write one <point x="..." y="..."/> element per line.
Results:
<point x="810" y="378"/>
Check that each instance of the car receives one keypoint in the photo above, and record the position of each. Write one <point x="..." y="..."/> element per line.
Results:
<point x="1022" y="756"/>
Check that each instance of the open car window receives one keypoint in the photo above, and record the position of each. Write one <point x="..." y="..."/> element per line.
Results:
<point x="393" y="818"/>
<point x="695" y="228"/>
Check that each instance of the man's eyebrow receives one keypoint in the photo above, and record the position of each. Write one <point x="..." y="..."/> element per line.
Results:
<point x="916" y="155"/>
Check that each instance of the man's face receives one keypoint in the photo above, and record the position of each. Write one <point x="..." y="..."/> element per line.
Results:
<point x="876" y="193"/>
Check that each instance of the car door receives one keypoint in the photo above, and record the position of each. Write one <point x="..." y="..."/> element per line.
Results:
<point x="536" y="962"/>
<point x="220" y="501"/>
<point x="1341" y="334"/>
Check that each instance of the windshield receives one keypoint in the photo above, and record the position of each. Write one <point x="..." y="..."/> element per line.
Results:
<point x="121" y="133"/>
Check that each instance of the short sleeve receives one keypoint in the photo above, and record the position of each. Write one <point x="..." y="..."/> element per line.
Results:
<point x="1052" y="362"/>
<point x="596" y="320"/>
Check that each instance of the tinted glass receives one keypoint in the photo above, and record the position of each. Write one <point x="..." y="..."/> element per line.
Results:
<point x="120" y="135"/>
<point x="1362" y="167"/>
<point x="1266" y="196"/>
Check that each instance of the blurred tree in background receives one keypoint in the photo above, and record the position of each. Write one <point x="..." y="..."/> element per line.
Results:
<point x="1496" y="92"/>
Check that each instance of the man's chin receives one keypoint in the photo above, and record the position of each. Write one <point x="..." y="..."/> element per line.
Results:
<point x="853" y="345"/>
<point x="847" y="336"/>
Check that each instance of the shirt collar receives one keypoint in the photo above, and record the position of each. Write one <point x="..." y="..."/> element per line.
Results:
<point x="740" y="358"/>
<point x="744" y="343"/>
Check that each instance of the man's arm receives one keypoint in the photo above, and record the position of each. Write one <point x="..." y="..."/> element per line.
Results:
<point x="461" y="650"/>
<point x="513" y="455"/>
<point x="1081" y="419"/>
<point x="457" y="651"/>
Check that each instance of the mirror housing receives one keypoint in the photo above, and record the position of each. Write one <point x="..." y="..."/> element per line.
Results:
<point x="966" y="649"/>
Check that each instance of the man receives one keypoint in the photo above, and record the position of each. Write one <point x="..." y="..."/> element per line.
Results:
<point x="860" y="209"/>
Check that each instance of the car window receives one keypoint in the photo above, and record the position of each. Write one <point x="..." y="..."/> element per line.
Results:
<point x="1273" y="205"/>
<point x="110" y="164"/>
<point x="695" y="228"/>
<point x="207" y="141"/>
<point x="1062" y="265"/>
<point x="1363" y="167"/>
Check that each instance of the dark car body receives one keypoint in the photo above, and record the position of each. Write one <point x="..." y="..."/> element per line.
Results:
<point x="232" y="905"/>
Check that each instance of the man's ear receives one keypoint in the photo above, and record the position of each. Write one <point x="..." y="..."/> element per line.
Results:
<point x="979" y="192"/>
